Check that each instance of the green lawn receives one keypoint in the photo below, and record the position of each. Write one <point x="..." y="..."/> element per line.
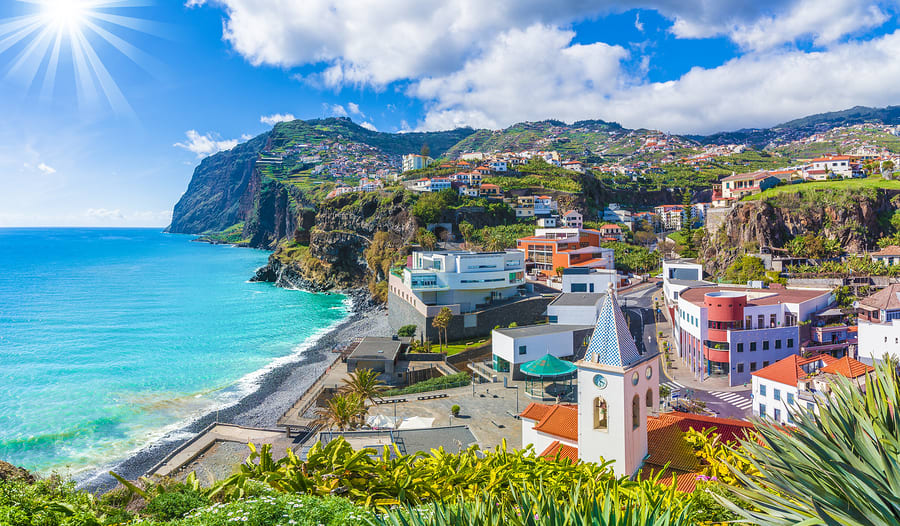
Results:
<point x="460" y="346"/>
<point x="875" y="182"/>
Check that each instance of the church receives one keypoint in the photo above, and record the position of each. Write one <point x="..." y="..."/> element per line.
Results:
<point x="617" y="418"/>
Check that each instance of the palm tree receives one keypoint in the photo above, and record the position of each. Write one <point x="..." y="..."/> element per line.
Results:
<point x="343" y="411"/>
<point x="364" y="383"/>
<point x="441" y="322"/>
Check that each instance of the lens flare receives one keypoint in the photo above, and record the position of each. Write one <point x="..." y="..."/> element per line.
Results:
<point x="70" y="35"/>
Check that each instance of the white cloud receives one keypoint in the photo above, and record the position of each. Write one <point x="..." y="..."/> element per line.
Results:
<point x="572" y="82"/>
<point x="335" y="110"/>
<point x="274" y="119"/>
<point x="194" y="3"/>
<point x="104" y="214"/>
<point x="46" y="169"/>
<point x="206" y="145"/>
<point x="637" y="23"/>
<point x="354" y="109"/>
<point x="368" y="126"/>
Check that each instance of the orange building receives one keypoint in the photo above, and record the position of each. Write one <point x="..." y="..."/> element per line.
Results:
<point x="552" y="248"/>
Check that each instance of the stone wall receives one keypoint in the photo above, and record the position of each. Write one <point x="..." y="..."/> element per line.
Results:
<point x="471" y="325"/>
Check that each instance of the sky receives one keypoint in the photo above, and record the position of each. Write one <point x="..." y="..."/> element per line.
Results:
<point x="107" y="106"/>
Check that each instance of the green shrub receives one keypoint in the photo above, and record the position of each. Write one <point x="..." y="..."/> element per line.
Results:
<point x="407" y="331"/>
<point x="175" y="502"/>
<point x="433" y="384"/>
<point x="455" y="409"/>
<point x="296" y="510"/>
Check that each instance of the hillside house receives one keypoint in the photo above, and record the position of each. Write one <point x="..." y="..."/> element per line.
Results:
<point x="740" y="185"/>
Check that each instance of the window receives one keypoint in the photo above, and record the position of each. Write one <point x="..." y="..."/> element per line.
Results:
<point x="636" y="412"/>
<point x="579" y="287"/>
<point x="773" y="320"/>
<point x="522" y="349"/>
<point x="760" y="321"/>
<point x="762" y="389"/>
<point x="649" y="398"/>
<point x="752" y="346"/>
<point x="790" y="343"/>
<point x="600" y="414"/>
<point x="765" y="345"/>
<point x="748" y="322"/>
<point x="762" y="410"/>
<point x="766" y="363"/>
<point x="740" y="347"/>
<point x="776" y="394"/>
<point x="789" y="419"/>
<point x="740" y="367"/>
<point x="778" y="344"/>
<point x="810" y="406"/>
<point x="778" y="415"/>
<point x="790" y="398"/>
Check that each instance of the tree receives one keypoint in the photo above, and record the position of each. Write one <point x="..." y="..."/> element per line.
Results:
<point x="426" y="239"/>
<point x="407" y="331"/>
<point x="364" y="383"/>
<point x="559" y="271"/>
<point x="466" y="229"/>
<point x="425" y="151"/>
<point x="747" y="268"/>
<point x="441" y="322"/>
<point x="343" y="411"/>
<point x="429" y="207"/>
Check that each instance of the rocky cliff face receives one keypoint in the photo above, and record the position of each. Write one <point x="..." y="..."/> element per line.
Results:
<point x="855" y="220"/>
<point x="220" y="193"/>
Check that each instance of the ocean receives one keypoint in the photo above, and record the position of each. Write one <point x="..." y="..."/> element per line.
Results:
<point x="110" y="338"/>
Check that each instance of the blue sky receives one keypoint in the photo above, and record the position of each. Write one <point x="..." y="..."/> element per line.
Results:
<point x="190" y="79"/>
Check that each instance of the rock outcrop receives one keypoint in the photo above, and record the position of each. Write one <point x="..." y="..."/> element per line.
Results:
<point x="11" y="472"/>
<point x="856" y="220"/>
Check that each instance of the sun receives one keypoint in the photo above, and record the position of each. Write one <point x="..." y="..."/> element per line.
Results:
<point x="65" y="13"/>
<point x="72" y="36"/>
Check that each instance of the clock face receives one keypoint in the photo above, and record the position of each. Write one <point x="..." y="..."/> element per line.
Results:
<point x="600" y="381"/>
<point x="635" y="378"/>
<point x="649" y="372"/>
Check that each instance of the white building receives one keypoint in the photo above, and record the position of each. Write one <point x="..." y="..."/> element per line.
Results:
<point x="574" y="166"/>
<point x="575" y="308"/>
<point x="463" y="279"/>
<point x="796" y="384"/>
<point x="498" y="166"/>
<point x="572" y="219"/>
<point x="670" y="216"/>
<point x="547" y="222"/>
<point x="878" y="324"/>
<point x="585" y="279"/>
<point x="513" y="347"/>
<point x="415" y="162"/>
<point x="679" y="275"/>
<point x="840" y="165"/>
<point x="889" y="255"/>
<point x="544" y="205"/>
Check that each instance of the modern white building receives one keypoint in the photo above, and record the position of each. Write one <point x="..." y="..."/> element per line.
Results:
<point x="878" y="325"/>
<point x="415" y="162"/>
<point x="575" y="308"/>
<point x="840" y="165"/>
<point x="572" y="219"/>
<point x="889" y="255"/>
<point x="679" y="275"/>
<point x="585" y="279"/>
<point x="463" y="278"/>
<point x="513" y="347"/>
<point x="498" y="166"/>
<point x="796" y="384"/>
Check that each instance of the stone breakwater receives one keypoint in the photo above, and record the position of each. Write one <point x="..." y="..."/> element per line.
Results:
<point x="277" y="390"/>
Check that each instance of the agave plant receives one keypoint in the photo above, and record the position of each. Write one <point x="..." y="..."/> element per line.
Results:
<point x="840" y="466"/>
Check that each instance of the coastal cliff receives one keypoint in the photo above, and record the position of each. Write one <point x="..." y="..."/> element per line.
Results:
<point x="856" y="220"/>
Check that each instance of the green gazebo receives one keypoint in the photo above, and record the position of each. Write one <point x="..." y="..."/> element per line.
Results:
<point x="549" y="368"/>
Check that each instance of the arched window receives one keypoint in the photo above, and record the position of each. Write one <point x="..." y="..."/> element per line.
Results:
<point x="601" y="415"/>
<point x="649" y="398"/>
<point x="636" y="412"/>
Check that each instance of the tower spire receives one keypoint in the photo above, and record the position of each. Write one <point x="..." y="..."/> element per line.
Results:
<point x="611" y="343"/>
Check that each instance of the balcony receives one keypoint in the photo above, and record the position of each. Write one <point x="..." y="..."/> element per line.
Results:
<point x="716" y="351"/>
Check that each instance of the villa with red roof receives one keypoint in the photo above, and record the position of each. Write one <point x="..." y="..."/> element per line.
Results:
<point x="796" y="383"/>
<point x="616" y="418"/>
<point x="840" y="165"/>
<point x="740" y="185"/>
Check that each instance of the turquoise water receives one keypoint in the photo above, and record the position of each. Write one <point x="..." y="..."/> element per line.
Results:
<point x="109" y="338"/>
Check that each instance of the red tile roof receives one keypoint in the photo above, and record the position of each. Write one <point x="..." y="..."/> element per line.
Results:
<point x="789" y="371"/>
<point x="535" y="411"/>
<point x="557" y="450"/>
<point x="560" y="421"/>
<point x="751" y="175"/>
<point x="890" y="250"/>
<point x="886" y="298"/>
<point x="848" y="367"/>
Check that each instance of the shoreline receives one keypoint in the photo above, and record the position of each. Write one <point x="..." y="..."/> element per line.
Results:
<point x="276" y="390"/>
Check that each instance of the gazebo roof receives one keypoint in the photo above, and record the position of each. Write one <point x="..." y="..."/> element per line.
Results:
<point x="549" y="365"/>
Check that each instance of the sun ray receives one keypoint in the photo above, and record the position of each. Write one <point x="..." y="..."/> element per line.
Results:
<point x="62" y="32"/>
